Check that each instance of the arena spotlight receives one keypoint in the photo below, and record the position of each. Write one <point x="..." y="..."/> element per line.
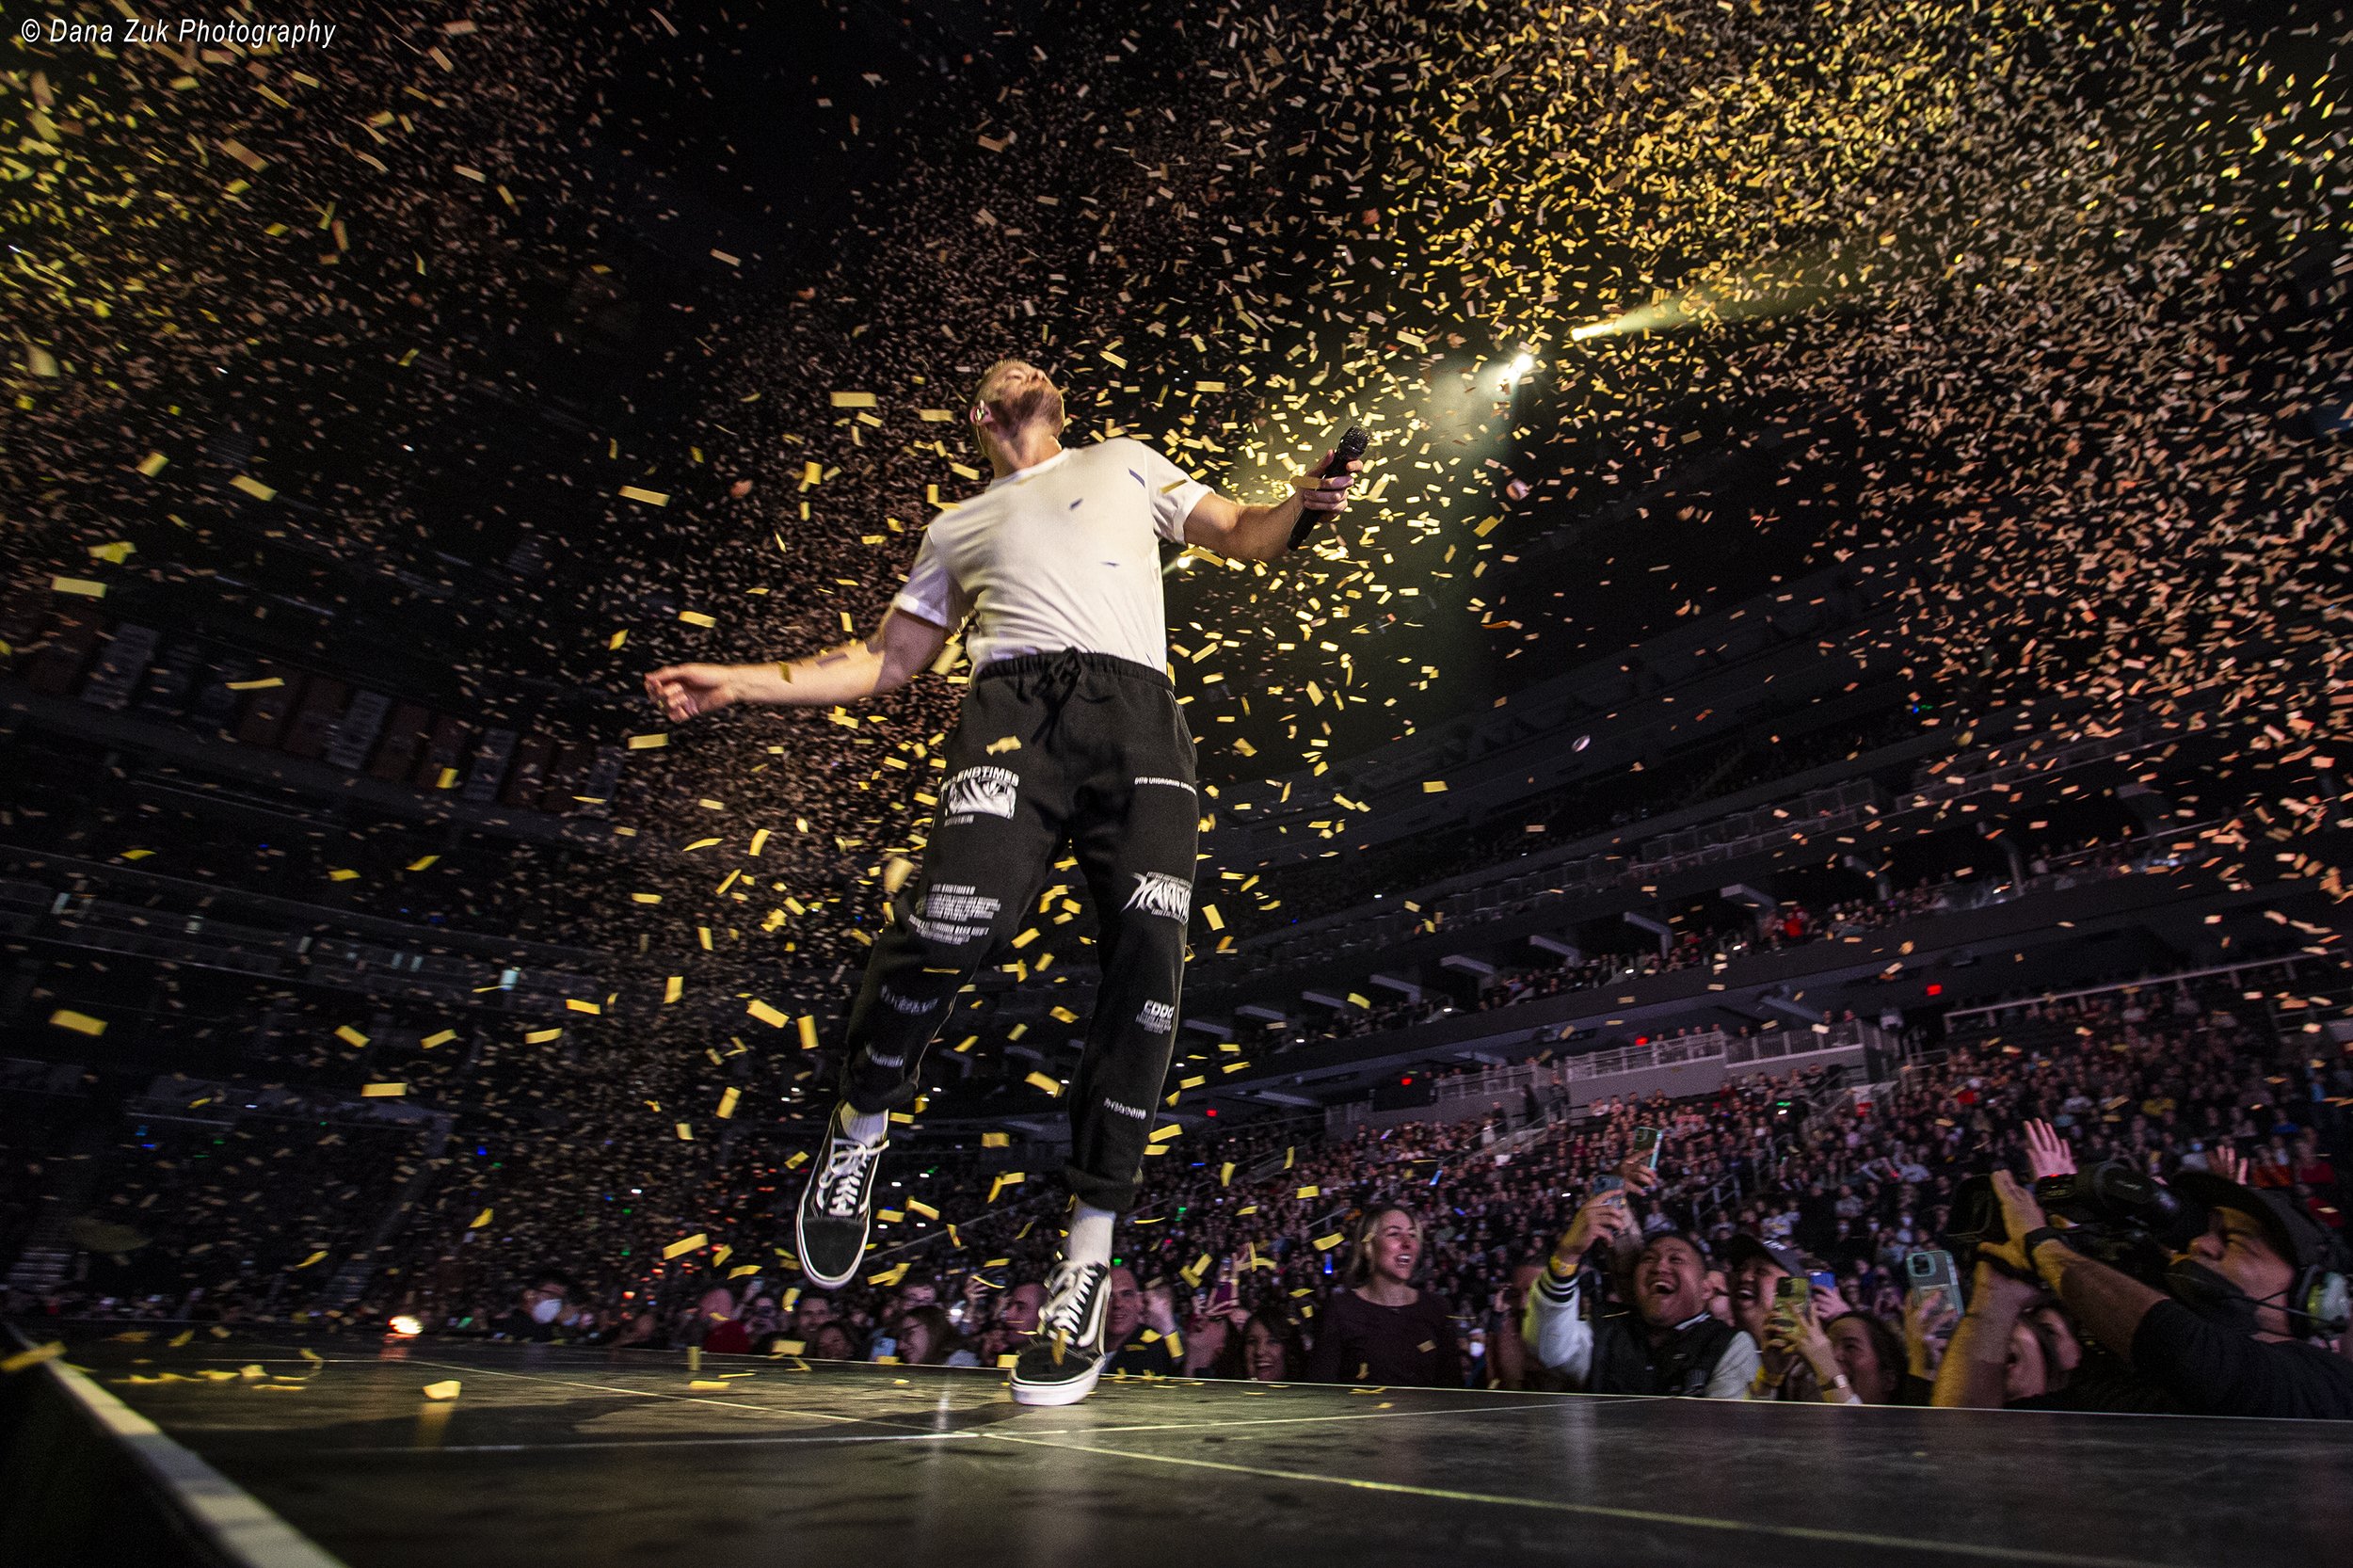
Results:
<point x="407" y="1326"/>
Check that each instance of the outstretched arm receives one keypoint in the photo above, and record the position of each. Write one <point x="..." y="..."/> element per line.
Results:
<point x="894" y="653"/>
<point x="1261" y="532"/>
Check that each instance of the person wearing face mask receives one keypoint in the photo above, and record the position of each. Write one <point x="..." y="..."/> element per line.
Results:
<point x="537" y="1317"/>
<point x="2234" y="1330"/>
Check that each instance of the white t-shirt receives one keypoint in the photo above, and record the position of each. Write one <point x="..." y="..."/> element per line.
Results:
<point x="1063" y="554"/>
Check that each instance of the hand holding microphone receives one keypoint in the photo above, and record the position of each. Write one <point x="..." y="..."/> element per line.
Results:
<point x="1325" y="492"/>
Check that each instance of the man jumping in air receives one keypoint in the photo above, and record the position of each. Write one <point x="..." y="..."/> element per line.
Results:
<point x="1070" y="733"/>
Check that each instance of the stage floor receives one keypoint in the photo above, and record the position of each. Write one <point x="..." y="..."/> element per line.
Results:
<point x="585" y="1458"/>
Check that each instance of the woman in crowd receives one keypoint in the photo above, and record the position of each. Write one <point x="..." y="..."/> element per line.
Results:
<point x="1270" y="1349"/>
<point x="1379" y="1328"/>
<point x="927" y="1338"/>
<point x="1873" y="1357"/>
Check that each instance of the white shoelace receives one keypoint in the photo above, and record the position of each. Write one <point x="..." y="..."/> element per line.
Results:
<point x="1071" y="1298"/>
<point x="840" y="1192"/>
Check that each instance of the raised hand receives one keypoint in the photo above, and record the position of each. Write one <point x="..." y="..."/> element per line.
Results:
<point x="1638" y="1173"/>
<point x="1928" y="1320"/>
<point x="1604" y="1217"/>
<point x="2047" y="1153"/>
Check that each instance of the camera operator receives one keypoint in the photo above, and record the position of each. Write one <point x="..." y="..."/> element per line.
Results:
<point x="1667" y="1342"/>
<point x="2228" y="1335"/>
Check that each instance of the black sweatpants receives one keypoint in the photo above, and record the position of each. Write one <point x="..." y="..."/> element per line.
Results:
<point x="1053" y="749"/>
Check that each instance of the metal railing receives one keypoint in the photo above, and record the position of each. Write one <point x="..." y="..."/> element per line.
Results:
<point x="1507" y="1085"/>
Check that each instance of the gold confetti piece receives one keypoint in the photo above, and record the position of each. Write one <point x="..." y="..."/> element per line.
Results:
<point x="113" y="554"/>
<point x="33" y="1358"/>
<point x="1052" y="1086"/>
<point x="1433" y="787"/>
<point x="82" y="585"/>
<point x="891" y="1275"/>
<point x="685" y="1131"/>
<point x="1212" y="918"/>
<point x="573" y="1004"/>
<point x="696" y="617"/>
<point x="480" y="1219"/>
<point x="1161" y="1135"/>
<point x="895" y="872"/>
<point x="80" y="1023"/>
<point x="1003" y="1180"/>
<point x="651" y="498"/>
<point x="181" y="1338"/>
<point x="680" y="1249"/>
<point x="382" y="1091"/>
<point x="918" y="1205"/>
<point x="808" y="1031"/>
<point x="443" y="1038"/>
<point x="996" y="1139"/>
<point x="312" y="1258"/>
<point x="152" y="464"/>
<point x="852" y="400"/>
<point x="261" y="685"/>
<point x="707" y="1386"/>
<point x="342" y="876"/>
<point x="726" y="1103"/>
<point x="723" y="256"/>
<point x="253" y="488"/>
<point x="1226" y="1173"/>
<point x="935" y="416"/>
<point x="541" y="1036"/>
<point x="646" y="743"/>
<point x="999" y="747"/>
<point x="1208" y="385"/>
<point x="760" y="840"/>
<point x="423" y="863"/>
<point x="766" y="1014"/>
<point x="1325" y="1243"/>
<point x="673" y="988"/>
<point x="443" y="1390"/>
<point x="617" y="639"/>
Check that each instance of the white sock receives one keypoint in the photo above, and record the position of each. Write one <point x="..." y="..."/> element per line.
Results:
<point x="1090" y="1235"/>
<point x="864" y="1125"/>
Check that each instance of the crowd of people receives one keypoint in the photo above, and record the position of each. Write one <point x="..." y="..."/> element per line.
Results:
<point x="1473" y="1252"/>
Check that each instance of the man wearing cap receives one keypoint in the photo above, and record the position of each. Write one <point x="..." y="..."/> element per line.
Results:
<point x="2232" y="1334"/>
<point x="1754" y="1269"/>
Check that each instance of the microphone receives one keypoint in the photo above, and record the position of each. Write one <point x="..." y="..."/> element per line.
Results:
<point x="1351" y="448"/>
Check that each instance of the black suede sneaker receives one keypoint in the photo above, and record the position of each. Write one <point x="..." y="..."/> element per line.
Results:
<point x="837" y="1207"/>
<point x="1061" y="1364"/>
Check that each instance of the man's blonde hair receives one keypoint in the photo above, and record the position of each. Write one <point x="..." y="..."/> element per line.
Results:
<point x="1016" y="393"/>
